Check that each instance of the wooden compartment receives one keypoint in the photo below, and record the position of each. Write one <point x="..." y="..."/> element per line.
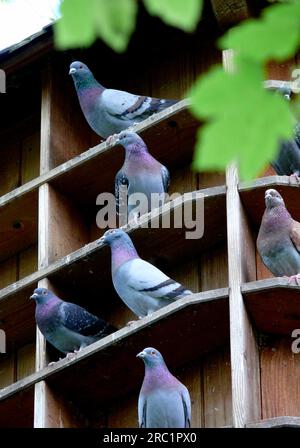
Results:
<point x="274" y="309"/>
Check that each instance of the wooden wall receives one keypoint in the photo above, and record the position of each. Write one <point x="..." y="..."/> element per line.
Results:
<point x="234" y="381"/>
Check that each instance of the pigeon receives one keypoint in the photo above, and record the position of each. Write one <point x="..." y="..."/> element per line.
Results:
<point x="287" y="162"/>
<point x="110" y="111"/>
<point x="164" y="402"/>
<point x="67" y="326"/>
<point x="141" y="286"/>
<point x="278" y="240"/>
<point x="140" y="173"/>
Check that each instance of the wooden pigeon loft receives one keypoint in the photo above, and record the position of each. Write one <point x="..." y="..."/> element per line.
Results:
<point x="229" y="342"/>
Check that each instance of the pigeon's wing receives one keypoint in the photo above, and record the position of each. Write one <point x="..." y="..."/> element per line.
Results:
<point x="77" y="319"/>
<point x="127" y="106"/>
<point x="165" y="178"/>
<point x="146" y="278"/>
<point x="186" y="401"/>
<point x="295" y="234"/>
<point x="121" y="180"/>
<point x="288" y="159"/>
<point x="142" y="407"/>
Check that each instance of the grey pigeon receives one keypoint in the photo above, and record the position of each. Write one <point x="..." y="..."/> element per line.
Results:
<point x="278" y="241"/>
<point x="67" y="326"/>
<point x="141" y="286"/>
<point x="110" y="111"/>
<point x="140" y="173"/>
<point x="164" y="402"/>
<point x="287" y="162"/>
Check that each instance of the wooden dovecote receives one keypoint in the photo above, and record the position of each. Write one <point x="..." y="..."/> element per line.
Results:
<point x="52" y="169"/>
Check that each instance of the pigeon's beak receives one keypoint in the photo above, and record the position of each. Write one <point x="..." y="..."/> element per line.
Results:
<point x="34" y="296"/>
<point x="72" y="71"/>
<point x="141" y="355"/>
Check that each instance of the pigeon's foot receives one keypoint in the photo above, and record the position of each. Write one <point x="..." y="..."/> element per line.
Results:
<point x="131" y="322"/>
<point x="53" y="363"/>
<point x="112" y="139"/>
<point x="133" y="219"/>
<point x="294" y="179"/>
<point x="72" y="355"/>
<point x="294" y="278"/>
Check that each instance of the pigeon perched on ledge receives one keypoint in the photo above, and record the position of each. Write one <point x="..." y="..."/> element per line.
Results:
<point x="141" y="286"/>
<point x="110" y="111"/>
<point x="164" y="402"/>
<point x="140" y="173"/>
<point x="278" y="240"/>
<point x="287" y="162"/>
<point x="67" y="326"/>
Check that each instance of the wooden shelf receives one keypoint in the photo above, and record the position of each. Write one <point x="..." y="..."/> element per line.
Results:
<point x="82" y="271"/>
<point x="105" y="363"/>
<point x="273" y="304"/>
<point x="276" y="422"/>
<point x="253" y="196"/>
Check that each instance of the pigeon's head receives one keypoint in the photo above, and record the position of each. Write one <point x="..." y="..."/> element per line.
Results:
<point x="41" y="295"/>
<point x="273" y="198"/>
<point x="113" y="236"/>
<point x="128" y="139"/>
<point x="79" y="71"/>
<point x="151" y="357"/>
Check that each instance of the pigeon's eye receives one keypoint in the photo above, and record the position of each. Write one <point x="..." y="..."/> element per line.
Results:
<point x="153" y="352"/>
<point x="44" y="292"/>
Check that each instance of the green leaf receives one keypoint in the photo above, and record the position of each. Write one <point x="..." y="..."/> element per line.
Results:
<point x="275" y="36"/>
<point x="84" y="20"/>
<point x="75" y="28"/>
<point x="246" y="121"/>
<point x="183" y="14"/>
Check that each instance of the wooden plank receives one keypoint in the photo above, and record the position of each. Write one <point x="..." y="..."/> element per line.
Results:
<point x="229" y="12"/>
<point x="159" y="122"/>
<point x="279" y="378"/>
<point x="244" y="352"/>
<point x="276" y="422"/>
<point x="25" y="361"/>
<point x="18" y="224"/>
<point x="66" y="227"/>
<point x="217" y="399"/>
<point x="10" y="166"/>
<point x="28" y="261"/>
<point x="7" y="369"/>
<point x="273" y="305"/>
<point x="30" y="167"/>
<point x="191" y="376"/>
<point x="211" y="308"/>
<point x="123" y="413"/>
<point x="8" y="272"/>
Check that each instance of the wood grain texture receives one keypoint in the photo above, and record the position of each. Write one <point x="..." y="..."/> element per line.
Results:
<point x="244" y="352"/>
<point x="217" y="397"/>
<point x="7" y="369"/>
<point x="280" y="370"/>
<point x="25" y="361"/>
<point x="273" y="305"/>
<point x="30" y="168"/>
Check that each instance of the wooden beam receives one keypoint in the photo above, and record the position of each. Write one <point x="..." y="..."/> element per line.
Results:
<point x="245" y="373"/>
<point x="244" y="351"/>
<point x="277" y="422"/>
<point x="208" y="299"/>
